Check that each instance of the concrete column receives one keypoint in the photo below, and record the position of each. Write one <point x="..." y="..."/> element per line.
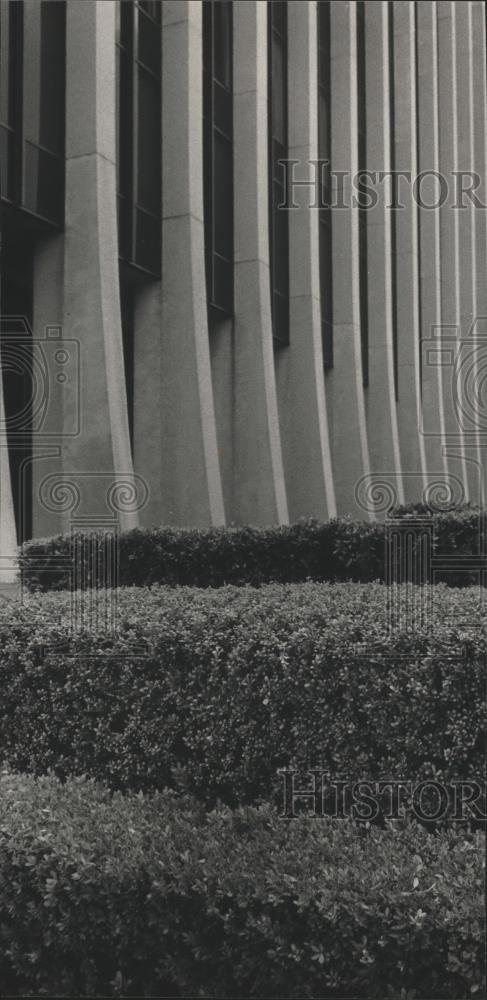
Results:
<point x="256" y="492"/>
<point x="469" y="24"/>
<point x="222" y="356"/>
<point x="429" y="242"/>
<point x="382" y="423"/>
<point x="97" y="464"/>
<point x="299" y="368"/>
<point x="479" y="104"/>
<point x="8" y="531"/>
<point x="148" y="427"/>
<point x="478" y="87"/>
<point x="344" y="383"/>
<point x="8" y="534"/>
<point x="180" y="385"/>
<point x="407" y="254"/>
<point x="449" y="233"/>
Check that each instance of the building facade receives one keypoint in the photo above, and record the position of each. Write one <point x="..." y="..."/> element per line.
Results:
<point x="209" y="314"/>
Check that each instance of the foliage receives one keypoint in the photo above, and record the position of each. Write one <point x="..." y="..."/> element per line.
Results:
<point x="340" y="549"/>
<point x="138" y="896"/>
<point x="220" y="688"/>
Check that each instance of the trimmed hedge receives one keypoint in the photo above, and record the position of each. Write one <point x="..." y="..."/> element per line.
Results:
<point x="130" y="896"/>
<point x="340" y="549"/>
<point x="220" y="688"/>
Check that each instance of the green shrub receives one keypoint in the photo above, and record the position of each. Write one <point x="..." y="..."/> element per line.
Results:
<point x="422" y="509"/>
<point x="111" y="896"/>
<point x="220" y="688"/>
<point x="339" y="549"/>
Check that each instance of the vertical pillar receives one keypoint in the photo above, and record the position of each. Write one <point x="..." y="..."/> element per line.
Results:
<point x="8" y="535"/>
<point x="479" y="104"/>
<point x="344" y="384"/>
<point x="478" y="90"/>
<point x="180" y="387"/>
<point x="383" y="433"/>
<point x="299" y="367"/>
<point x="257" y="492"/>
<point x="449" y="235"/>
<point x="8" y="532"/>
<point x="471" y="221"/>
<point x="100" y="450"/>
<point x="407" y="312"/>
<point x="222" y="355"/>
<point x="427" y="193"/>
<point x="148" y="426"/>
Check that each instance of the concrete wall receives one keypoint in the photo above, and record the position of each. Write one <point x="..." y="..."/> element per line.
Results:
<point x="227" y="429"/>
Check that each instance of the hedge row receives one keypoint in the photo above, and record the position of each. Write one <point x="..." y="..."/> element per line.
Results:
<point x="131" y="896"/>
<point x="220" y="688"/>
<point x="339" y="549"/>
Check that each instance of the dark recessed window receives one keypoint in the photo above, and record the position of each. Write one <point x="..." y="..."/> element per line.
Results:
<point x="151" y="7"/>
<point x="218" y="153"/>
<point x="362" y="213"/>
<point x="278" y="150"/>
<point x="324" y="153"/>
<point x="32" y="107"/>
<point x="19" y="387"/>
<point x="11" y="47"/>
<point x="139" y="63"/>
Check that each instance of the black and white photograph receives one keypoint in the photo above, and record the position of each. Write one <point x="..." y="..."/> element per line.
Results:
<point x="243" y="499"/>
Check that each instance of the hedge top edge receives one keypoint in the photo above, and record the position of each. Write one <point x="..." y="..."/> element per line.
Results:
<point x="337" y="550"/>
